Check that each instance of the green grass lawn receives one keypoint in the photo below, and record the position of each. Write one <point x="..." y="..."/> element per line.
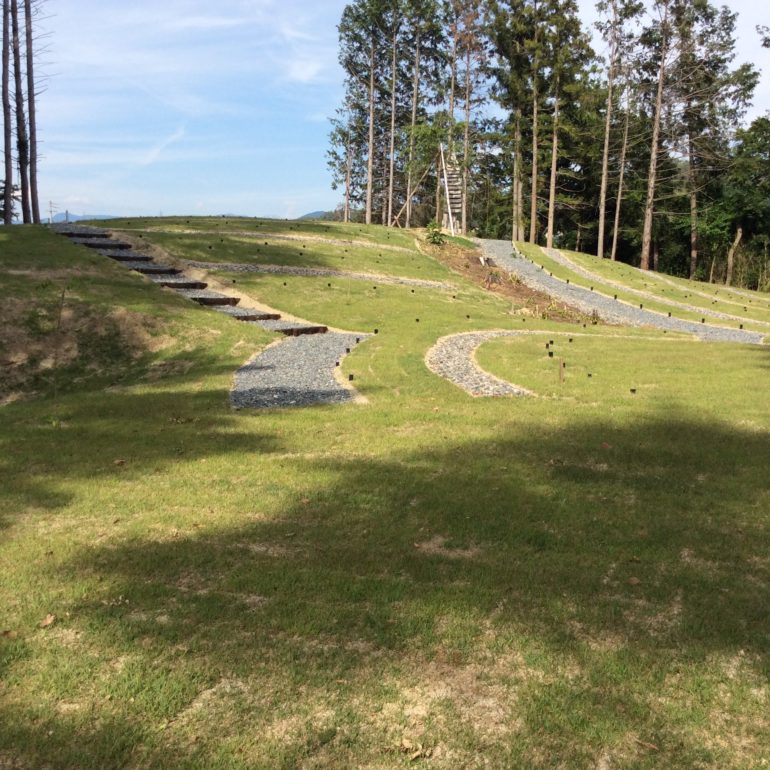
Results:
<point x="579" y="579"/>
<point x="614" y="279"/>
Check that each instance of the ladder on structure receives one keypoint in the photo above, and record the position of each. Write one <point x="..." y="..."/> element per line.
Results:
<point x="453" y="189"/>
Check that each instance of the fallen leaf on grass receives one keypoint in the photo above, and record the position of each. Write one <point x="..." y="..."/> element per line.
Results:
<point x="49" y="621"/>
<point x="119" y="462"/>
<point x="634" y="581"/>
<point x="10" y="635"/>
<point x="415" y="750"/>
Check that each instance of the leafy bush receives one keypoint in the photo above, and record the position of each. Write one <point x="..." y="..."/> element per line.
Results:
<point x="434" y="235"/>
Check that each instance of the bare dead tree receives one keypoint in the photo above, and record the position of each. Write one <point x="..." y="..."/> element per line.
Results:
<point x="22" y="140"/>
<point x="31" y="112"/>
<point x="7" y="130"/>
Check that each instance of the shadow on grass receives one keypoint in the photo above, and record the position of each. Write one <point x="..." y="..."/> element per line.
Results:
<point x="652" y="536"/>
<point x="104" y="435"/>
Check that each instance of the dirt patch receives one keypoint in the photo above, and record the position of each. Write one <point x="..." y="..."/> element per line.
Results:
<point x="440" y="693"/>
<point x="530" y="302"/>
<point x="40" y="340"/>
<point x="437" y="546"/>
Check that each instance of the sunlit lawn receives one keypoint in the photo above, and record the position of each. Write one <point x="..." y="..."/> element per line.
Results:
<point x="578" y="579"/>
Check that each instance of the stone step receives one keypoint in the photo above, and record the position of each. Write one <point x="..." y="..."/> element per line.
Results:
<point x="208" y="298"/>
<point x="177" y="282"/>
<point x="247" y="314"/>
<point x="83" y="233"/>
<point x="298" y="331"/>
<point x="101" y="243"/>
<point x="292" y="328"/>
<point x="125" y="256"/>
<point x="149" y="268"/>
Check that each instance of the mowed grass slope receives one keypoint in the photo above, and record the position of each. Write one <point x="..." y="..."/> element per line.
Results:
<point x="578" y="579"/>
<point x="686" y="300"/>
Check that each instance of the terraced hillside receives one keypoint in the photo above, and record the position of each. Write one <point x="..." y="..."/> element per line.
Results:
<point x="520" y="542"/>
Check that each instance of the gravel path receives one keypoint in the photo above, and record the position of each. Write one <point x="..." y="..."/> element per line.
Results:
<point x="298" y="371"/>
<point x="608" y="309"/>
<point x="453" y="358"/>
<point x="557" y="256"/>
<point x="316" y="272"/>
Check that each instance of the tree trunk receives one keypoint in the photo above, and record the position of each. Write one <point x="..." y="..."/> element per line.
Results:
<point x="392" y="149"/>
<point x="605" y="159"/>
<point x="348" y="171"/>
<point x="514" y="193"/>
<point x="7" y="131"/>
<point x="466" y="141"/>
<point x="516" y="187"/>
<point x="31" y="113"/>
<point x="533" y="185"/>
<point x="731" y="256"/>
<point x="619" y="200"/>
<point x="415" y="102"/>
<point x="370" y="159"/>
<point x="691" y="181"/>
<point x="22" y="142"/>
<point x="554" y="162"/>
<point x="452" y="86"/>
<point x="651" y="175"/>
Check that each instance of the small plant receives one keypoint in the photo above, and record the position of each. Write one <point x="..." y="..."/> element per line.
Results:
<point x="434" y="234"/>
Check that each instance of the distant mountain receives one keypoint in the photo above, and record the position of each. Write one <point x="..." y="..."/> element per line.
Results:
<point x="65" y="217"/>
<point x="316" y="215"/>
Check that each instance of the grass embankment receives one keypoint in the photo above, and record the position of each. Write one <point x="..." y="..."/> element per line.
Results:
<point x="579" y="579"/>
<point x="615" y="279"/>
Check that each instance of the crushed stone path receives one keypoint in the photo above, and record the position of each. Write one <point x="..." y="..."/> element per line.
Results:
<point x="610" y="310"/>
<point x="299" y="371"/>
<point x="316" y="272"/>
<point x="565" y="261"/>
<point x="453" y="358"/>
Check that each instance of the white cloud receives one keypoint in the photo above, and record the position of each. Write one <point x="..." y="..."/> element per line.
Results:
<point x="156" y="152"/>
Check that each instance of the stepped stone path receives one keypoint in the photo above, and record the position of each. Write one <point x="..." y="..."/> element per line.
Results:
<point x="318" y="272"/>
<point x="606" y="308"/>
<point x="559" y="257"/>
<point x="301" y="370"/>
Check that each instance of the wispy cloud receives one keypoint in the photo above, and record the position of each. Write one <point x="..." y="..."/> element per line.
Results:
<point x="155" y="152"/>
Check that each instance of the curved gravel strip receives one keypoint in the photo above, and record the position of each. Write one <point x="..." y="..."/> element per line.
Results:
<point x="298" y="371"/>
<point x="559" y="257"/>
<point x="452" y="358"/>
<point x="316" y="272"/>
<point x="608" y="309"/>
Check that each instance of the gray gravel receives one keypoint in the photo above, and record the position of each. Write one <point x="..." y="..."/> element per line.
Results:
<point x="608" y="309"/>
<point x="298" y="371"/>
<point x="557" y="256"/>
<point x="452" y="358"/>
<point x="317" y="272"/>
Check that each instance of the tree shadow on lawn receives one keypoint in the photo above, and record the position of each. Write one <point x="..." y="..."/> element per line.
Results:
<point x="638" y="548"/>
<point x="124" y="434"/>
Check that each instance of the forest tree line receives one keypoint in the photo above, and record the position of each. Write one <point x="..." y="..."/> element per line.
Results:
<point x="640" y="155"/>
<point x="18" y="184"/>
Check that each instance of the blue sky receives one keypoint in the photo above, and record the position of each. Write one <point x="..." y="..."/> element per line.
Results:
<point x="193" y="107"/>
